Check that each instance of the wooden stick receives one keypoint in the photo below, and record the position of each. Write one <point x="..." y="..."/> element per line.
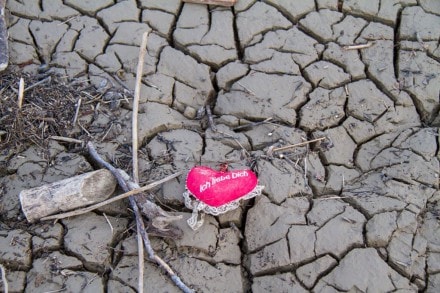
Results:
<point x="67" y="194"/>
<point x="110" y="200"/>
<point x="141" y="254"/>
<point x="134" y="131"/>
<point x="66" y="139"/>
<point x="360" y="46"/>
<point x="139" y="222"/>
<point x="297" y="144"/>
<point x="20" y="92"/>
<point x="137" y="92"/>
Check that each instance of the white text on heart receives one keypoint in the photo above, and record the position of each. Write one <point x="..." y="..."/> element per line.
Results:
<point x="215" y="180"/>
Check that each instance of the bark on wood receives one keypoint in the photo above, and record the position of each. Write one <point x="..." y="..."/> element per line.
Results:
<point x="213" y="2"/>
<point x="67" y="194"/>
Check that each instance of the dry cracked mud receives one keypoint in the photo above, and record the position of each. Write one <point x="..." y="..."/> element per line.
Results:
<point x="359" y="213"/>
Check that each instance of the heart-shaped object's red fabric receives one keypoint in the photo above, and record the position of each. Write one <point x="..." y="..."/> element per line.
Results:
<point x="216" y="188"/>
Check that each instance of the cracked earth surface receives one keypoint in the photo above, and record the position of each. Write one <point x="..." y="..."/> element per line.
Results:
<point x="358" y="215"/>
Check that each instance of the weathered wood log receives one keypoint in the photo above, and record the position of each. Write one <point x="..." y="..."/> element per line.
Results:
<point x="4" y="54"/>
<point x="68" y="194"/>
<point x="213" y="2"/>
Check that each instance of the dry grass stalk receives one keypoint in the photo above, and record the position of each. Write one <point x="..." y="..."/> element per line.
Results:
<point x="47" y="79"/>
<point x="252" y="124"/>
<point x="140" y="243"/>
<point x="20" y="93"/>
<point x="137" y="92"/>
<point x="360" y="46"/>
<point x="297" y="144"/>
<point x="78" y="106"/>
<point x="246" y="89"/>
<point x="47" y="110"/>
<point x="66" y="139"/>
<point x="110" y="224"/>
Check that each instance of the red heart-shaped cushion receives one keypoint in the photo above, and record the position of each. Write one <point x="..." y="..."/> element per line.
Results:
<point x="216" y="188"/>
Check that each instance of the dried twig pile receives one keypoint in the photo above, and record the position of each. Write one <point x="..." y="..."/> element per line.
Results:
<point x="48" y="110"/>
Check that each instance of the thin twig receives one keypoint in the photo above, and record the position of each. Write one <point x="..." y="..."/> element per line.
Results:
<point x="93" y="98"/>
<point x="59" y="290"/>
<point x="108" y="221"/>
<point x="37" y="83"/>
<point x="66" y="139"/>
<point x="113" y="199"/>
<point x="4" y="280"/>
<point x="46" y="119"/>
<point x="78" y="106"/>
<point x="107" y="132"/>
<point x="246" y="89"/>
<point x="361" y="46"/>
<point x="306" y="181"/>
<point x="297" y="144"/>
<point x="236" y="140"/>
<point x="134" y="131"/>
<point x="66" y="21"/>
<point x="137" y="92"/>
<point x="332" y="197"/>
<point x="84" y="129"/>
<point x="210" y="119"/>
<point x="252" y="124"/>
<point x="20" y="92"/>
<point x="139" y="222"/>
<point x="121" y="83"/>
<point x="140" y="244"/>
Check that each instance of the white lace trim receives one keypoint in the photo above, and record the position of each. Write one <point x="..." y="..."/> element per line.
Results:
<point x="193" y="203"/>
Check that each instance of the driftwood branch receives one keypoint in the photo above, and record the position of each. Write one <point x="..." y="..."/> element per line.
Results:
<point x="113" y="199"/>
<point x="139" y="222"/>
<point x="67" y="194"/>
<point x="160" y="219"/>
